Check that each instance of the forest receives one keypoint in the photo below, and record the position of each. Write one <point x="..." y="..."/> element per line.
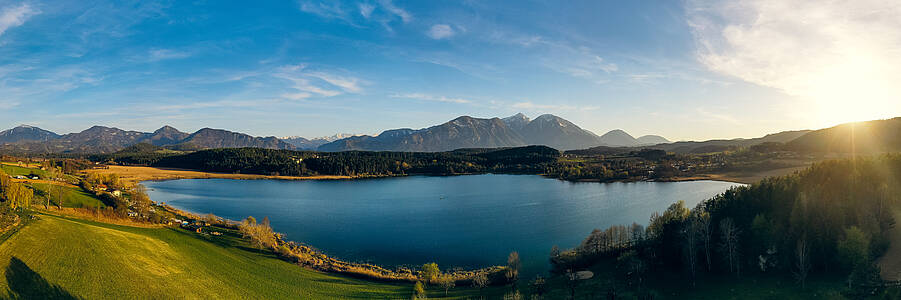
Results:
<point x="531" y="159"/>
<point x="832" y="218"/>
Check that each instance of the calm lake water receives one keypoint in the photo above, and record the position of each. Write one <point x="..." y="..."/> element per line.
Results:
<point x="466" y="221"/>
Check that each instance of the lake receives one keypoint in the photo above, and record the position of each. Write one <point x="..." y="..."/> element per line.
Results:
<point x="467" y="221"/>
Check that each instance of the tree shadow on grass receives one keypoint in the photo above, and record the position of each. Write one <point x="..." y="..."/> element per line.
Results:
<point x="25" y="283"/>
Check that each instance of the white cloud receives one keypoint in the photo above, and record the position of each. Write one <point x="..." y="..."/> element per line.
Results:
<point x="15" y="16"/>
<point x="397" y="11"/>
<point x="307" y="83"/>
<point x="426" y="97"/>
<point x="304" y="85"/>
<point x="165" y="54"/>
<point x="366" y="9"/>
<point x="842" y="58"/>
<point x="323" y="9"/>
<point x="440" y="31"/>
<point x="349" y="84"/>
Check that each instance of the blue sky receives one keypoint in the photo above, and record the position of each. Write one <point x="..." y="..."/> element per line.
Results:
<point x="681" y="69"/>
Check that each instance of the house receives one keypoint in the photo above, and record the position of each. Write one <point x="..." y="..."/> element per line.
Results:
<point x="20" y="177"/>
<point x="101" y="187"/>
<point x="117" y="193"/>
<point x="216" y="233"/>
<point x="35" y="177"/>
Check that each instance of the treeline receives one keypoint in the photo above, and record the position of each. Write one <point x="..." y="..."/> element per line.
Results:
<point x="531" y="159"/>
<point x="832" y="218"/>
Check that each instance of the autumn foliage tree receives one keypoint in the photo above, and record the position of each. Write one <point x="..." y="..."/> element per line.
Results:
<point x="260" y="235"/>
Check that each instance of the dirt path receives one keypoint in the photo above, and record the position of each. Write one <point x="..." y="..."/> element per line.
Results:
<point x="890" y="263"/>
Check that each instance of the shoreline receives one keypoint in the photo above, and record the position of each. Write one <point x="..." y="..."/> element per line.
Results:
<point x="136" y="174"/>
<point x="308" y="256"/>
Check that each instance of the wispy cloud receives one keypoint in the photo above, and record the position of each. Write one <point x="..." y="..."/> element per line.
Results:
<point x="166" y="54"/>
<point x="307" y="83"/>
<point x="349" y="84"/>
<point x="405" y="16"/>
<point x="440" y="31"/>
<point x="427" y="97"/>
<point x="366" y="9"/>
<point x="328" y="10"/>
<point x="15" y="16"/>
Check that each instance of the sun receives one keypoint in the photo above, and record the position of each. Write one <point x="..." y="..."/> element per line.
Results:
<point x="857" y="89"/>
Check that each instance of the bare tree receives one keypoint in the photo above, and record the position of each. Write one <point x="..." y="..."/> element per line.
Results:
<point x="803" y="262"/>
<point x="513" y="267"/>
<point x="54" y="173"/>
<point x="446" y="282"/>
<point x="480" y="281"/>
<point x="729" y="244"/>
<point x="690" y="236"/>
<point x="705" y="232"/>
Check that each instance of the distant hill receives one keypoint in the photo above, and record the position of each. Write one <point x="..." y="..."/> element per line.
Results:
<point x="859" y="137"/>
<point x="652" y="140"/>
<point x="25" y="133"/>
<point x="618" y="137"/>
<point x="723" y="145"/>
<point x="468" y="132"/>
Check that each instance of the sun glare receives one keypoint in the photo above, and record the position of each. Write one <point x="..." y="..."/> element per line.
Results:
<point x="857" y="89"/>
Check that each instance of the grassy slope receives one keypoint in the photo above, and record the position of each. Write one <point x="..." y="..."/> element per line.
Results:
<point x="95" y="260"/>
<point x="72" y="197"/>
<point x="13" y="170"/>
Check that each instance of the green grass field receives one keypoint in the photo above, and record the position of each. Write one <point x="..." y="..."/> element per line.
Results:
<point x="61" y="257"/>
<point x="72" y="197"/>
<point x="17" y="170"/>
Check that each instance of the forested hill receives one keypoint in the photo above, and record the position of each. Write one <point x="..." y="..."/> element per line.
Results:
<point x="832" y="219"/>
<point x="530" y="159"/>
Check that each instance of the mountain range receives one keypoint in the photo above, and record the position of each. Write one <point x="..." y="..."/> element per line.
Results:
<point x="101" y="139"/>
<point x="469" y="132"/>
<point x="462" y="132"/>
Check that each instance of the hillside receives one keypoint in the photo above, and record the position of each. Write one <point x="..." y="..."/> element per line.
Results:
<point x="722" y="145"/>
<point x="101" y="261"/>
<point x="860" y="137"/>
